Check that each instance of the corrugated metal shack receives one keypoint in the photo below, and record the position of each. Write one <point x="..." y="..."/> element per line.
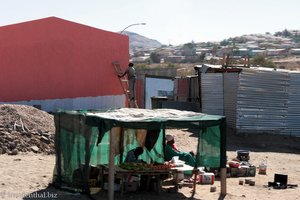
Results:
<point x="254" y="100"/>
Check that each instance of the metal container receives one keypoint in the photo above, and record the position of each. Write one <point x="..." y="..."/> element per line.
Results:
<point x="243" y="155"/>
<point x="207" y="178"/>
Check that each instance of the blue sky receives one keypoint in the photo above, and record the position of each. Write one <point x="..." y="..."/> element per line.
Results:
<point x="168" y="21"/>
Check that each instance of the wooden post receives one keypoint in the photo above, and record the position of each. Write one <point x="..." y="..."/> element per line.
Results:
<point x="111" y="165"/>
<point x="223" y="181"/>
<point x="223" y="157"/>
<point x="195" y="173"/>
<point x="224" y="60"/>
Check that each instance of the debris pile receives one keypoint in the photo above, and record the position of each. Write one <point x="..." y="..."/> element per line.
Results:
<point x="24" y="129"/>
<point x="240" y="166"/>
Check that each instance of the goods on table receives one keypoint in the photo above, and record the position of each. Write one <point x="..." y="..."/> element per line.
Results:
<point x="145" y="166"/>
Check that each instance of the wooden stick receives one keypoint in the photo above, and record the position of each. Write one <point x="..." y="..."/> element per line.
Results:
<point x="22" y="125"/>
<point x="195" y="173"/>
<point x="223" y="181"/>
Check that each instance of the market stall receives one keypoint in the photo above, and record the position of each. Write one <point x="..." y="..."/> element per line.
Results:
<point x="93" y="138"/>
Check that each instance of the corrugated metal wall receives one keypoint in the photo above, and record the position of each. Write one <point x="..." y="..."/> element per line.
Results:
<point x="186" y="89"/>
<point x="262" y="101"/>
<point x="293" y="116"/>
<point x="194" y="91"/>
<point x="258" y="100"/>
<point x="218" y="95"/>
<point x="231" y="81"/>
<point x="212" y="99"/>
<point x="181" y="89"/>
<point x="80" y="103"/>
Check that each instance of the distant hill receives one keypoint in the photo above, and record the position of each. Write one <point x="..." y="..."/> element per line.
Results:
<point x="139" y="41"/>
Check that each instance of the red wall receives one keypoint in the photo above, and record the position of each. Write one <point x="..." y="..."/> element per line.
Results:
<point x="53" y="58"/>
<point x="182" y="89"/>
<point x="140" y="93"/>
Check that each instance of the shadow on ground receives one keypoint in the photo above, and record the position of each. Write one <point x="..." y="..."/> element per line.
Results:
<point x="52" y="193"/>
<point x="263" y="142"/>
<point x="259" y="142"/>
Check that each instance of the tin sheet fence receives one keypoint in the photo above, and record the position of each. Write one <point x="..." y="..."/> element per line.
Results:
<point x="258" y="100"/>
<point x="268" y="101"/>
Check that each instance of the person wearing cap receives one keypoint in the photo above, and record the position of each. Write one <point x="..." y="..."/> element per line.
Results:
<point x="170" y="141"/>
<point x="130" y="71"/>
<point x="171" y="151"/>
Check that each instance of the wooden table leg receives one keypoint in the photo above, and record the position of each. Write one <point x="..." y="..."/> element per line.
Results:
<point x="122" y="184"/>
<point x="149" y="177"/>
<point x="158" y="185"/>
<point x="195" y="173"/>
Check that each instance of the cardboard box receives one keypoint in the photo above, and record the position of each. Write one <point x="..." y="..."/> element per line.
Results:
<point x="234" y="172"/>
<point x="251" y="171"/>
<point x="242" y="171"/>
<point x="92" y="182"/>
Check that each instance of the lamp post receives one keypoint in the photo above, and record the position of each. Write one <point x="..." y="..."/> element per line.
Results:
<point x="132" y="25"/>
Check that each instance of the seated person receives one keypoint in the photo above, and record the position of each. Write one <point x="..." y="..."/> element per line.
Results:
<point x="171" y="151"/>
<point x="133" y="155"/>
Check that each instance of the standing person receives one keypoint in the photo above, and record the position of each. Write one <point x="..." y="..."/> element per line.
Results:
<point x="130" y="71"/>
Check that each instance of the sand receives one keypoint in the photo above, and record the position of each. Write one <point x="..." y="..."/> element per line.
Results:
<point x="27" y="175"/>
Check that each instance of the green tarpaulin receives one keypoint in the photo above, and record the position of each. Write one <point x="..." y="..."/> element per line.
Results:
<point x="82" y="139"/>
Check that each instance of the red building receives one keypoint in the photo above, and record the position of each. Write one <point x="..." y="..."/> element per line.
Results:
<point x="58" y="64"/>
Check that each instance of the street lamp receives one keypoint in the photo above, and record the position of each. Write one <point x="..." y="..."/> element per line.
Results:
<point x="132" y="25"/>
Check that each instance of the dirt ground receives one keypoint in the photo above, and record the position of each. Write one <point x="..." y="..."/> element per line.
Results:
<point x="27" y="175"/>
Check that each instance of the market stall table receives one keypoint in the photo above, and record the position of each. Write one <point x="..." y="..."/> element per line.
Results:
<point x="101" y="134"/>
<point x="124" y="173"/>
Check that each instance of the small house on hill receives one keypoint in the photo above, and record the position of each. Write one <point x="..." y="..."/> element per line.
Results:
<point x="56" y="64"/>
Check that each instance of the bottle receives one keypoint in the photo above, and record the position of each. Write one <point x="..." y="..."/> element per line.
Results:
<point x="262" y="167"/>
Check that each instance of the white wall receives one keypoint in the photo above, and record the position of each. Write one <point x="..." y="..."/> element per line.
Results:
<point x="80" y="103"/>
<point x="154" y="85"/>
